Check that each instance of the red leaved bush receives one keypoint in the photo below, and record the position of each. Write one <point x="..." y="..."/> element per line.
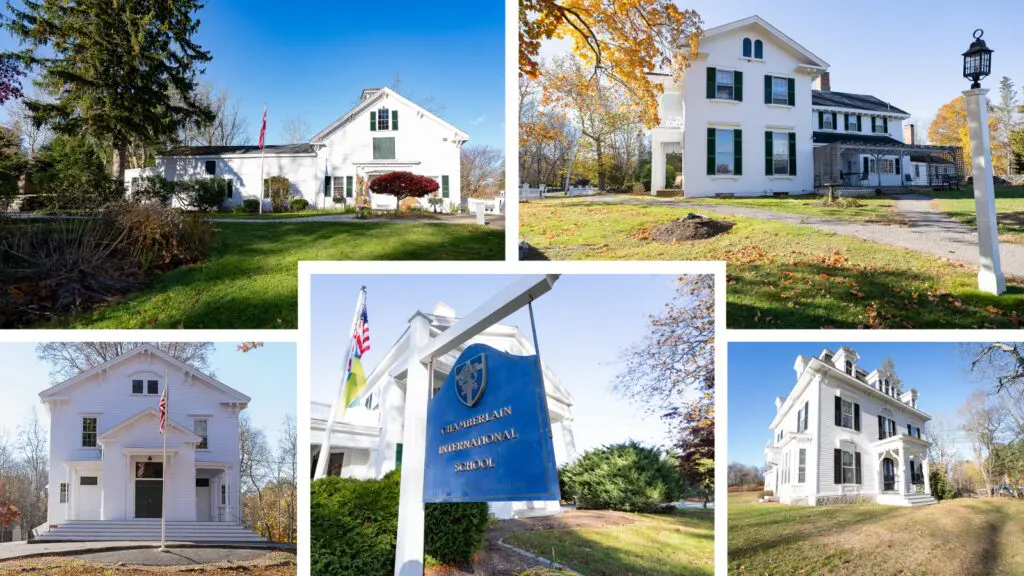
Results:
<point x="403" y="185"/>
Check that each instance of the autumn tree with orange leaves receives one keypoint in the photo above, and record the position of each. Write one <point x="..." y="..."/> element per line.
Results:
<point x="950" y="129"/>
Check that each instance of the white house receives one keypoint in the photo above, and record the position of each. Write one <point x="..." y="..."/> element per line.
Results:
<point x="108" y="479"/>
<point x="844" y="434"/>
<point x="384" y="132"/>
<point x="366" y="441"/>
<point x="755" y="115"/>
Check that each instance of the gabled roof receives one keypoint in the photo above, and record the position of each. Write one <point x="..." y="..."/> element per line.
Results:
<point x="289" y="149"/>
<point x="235" y="395"/>
<point x="111" y="433"/>
<point x="853" y="102"/>
<point x="761" y="23"/>
<point x="368" y="99"/>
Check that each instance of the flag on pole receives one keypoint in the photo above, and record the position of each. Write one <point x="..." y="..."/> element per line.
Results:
<point x="263" y="128"/>
<point x="355" y="383"/>
<point x="163" y="409"/>
<point x="362" y="333"/>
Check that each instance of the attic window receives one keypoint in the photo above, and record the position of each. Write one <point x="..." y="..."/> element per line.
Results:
<point x="152" y="387"/>
<point x="136" y="386"/>
<point x="849" y="368"/>
<point x="748" y="50"/>
<point x="383" y="119"/>
<point x="759" y="50"/>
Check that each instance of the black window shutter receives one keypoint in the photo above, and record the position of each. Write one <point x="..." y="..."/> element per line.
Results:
<point x="712" y="79"/>
<point x="913" y="472"/>
<point x="881" y="428"/>
<point x="821" y="119"/>
<point x="839" y="411"/>
<point x="899" y="165"/>
<point x="860" y="123"/>
<point x="835" y="121"/>
<point x="373" y="121"/>
<point x="856" y="417"/>
<point x="837" y="468"/>
<point x="711" y="151"/>
<point x="910" y="431"/>
<point x="737" y="82"/>
<point x="767" y="89"/>
<point x="394" y="119"/>
<point x="865" y="164"/>
<point x="856" y="465"/>
<point x="792" y="153"/>
<point x="873" y="124"/>
<point x="806" y="410"/>
<point x="792" y="91"/>
<point x="737" y="152"/>
<point x="768" y="154"/>
<point x="885" y="125"/>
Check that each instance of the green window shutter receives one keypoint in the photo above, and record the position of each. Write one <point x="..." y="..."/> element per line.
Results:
<point x="860" y="123"/>
<point x="373" y="121"/>
<point x="383" y="148"/>
<point x="792" y="91"/>
<point x="767" y="89"/>
<point x="712" y="80"/>
<point x="444" y="187"/>
<point x="885" y="125"/>
<point x="792" y="153"/>
<point x="737" y="154"/>
<point x="737" y="79"/>
<point x="821" y="120"/>
<point x="768" y="153"/>
<point x="835" y="121"/>
<point x="349" y="192"/>
<point x="390" y="148"/>
<point x="398" y="456"/>
<point x="711" y="152"/>
<point x="874" y="123"/>
<point x="394" y="119"/>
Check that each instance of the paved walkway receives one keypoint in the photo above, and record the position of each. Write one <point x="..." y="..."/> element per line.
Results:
<point x="12" y="550"/>
<point x="174" y="556"/>
<point x="930" y="231"/>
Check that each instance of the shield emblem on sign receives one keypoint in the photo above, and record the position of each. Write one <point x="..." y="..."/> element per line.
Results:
<point x="470" y="380"/>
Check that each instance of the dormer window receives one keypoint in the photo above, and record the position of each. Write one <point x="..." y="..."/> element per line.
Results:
<point x="848" y="367"/>
<point x="748" y="48"/>
<point x="383" y="119"/>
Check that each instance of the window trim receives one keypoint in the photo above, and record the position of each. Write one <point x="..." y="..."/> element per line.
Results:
<point x="63" y="493"/>
<point x="383" y="119"/>
<point x="801" y="466"/>
<point x="205" y="443"/>
<point x="851" y="468"/>
<point x="731" y="151"/>
<point x="142" y="387"/>
<point x="843" y="403"/>
<point x="157" y="383"/>
<point x="785" y="89"/>
<point x="731" y="85"/>
<point x="775" y="155"/>
<point x="93" y="434"/>
<point x="827" y="116"/>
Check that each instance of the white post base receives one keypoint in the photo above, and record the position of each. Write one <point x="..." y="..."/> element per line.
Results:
<point x="481" y="212"/>
<point x="990" y="271"/>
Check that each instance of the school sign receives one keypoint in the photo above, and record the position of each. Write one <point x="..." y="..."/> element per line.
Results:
<point x="489" y="433"/>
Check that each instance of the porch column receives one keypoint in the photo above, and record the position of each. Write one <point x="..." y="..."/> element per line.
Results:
<point x="927" y="481"/>
<point x="657" y="164"/>
<point x="903" y="487"/>
<point x="570" y="441"/>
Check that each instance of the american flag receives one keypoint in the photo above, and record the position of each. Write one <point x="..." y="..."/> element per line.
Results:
<point x="362" y="333"/>
<point x="163" y="409"/>
<point x="263" y="129"/>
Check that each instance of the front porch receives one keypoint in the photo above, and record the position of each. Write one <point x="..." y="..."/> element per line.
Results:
<point x="902" y="471"/>
<point x="874" y="162"/>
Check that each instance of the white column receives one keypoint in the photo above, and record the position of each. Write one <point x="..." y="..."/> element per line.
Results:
<point x="990" y="272"/>
<point x="657" y="164"/>
<point x="903" y="482"/>
<point x="570" y="441"/>
<point x="927" y="480"/>
<point x="409" y="548"/>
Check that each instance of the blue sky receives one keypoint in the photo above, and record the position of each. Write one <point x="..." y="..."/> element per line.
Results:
<point x="907" y="52"/>
<point x="582" y="325"/>
<point x="267" y="375"/>
<point x="311" y="59"/>
<point x="758" y="372"/>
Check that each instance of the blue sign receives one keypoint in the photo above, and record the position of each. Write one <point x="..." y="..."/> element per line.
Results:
<point x="488" y="432"/>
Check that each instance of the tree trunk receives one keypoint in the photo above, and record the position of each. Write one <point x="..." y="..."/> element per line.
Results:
<point x="599" y="150"/>
<point x="117" y="164"/>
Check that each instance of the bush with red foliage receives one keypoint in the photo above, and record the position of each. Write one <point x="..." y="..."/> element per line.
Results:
<point x="10" y="79"/>
<point x="403" y="185"/>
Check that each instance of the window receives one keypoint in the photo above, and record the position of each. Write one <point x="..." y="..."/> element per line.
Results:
<point x="383" y="118"/>
<point x="780" y="153"/>
<point x="63" y="493"/>
<point x="758" y="49"/>
<point x="88" y="481"/>
<point x="152" y="387"/>
<point x="229" y="189"/>
<point x="780" y="90"/>
<point x="339" y="187"/>
<point x="748" y="48"/>
<point x="917" y="170"/>
<point x="880" y="125"/>
<point x="848" y="367"/>
<point x="223" y="495"/>
<point x="874" y="167"/>
<point x="136" y="386"/>
<point x="847" y="419"/>
<point x="368" y="403"/>
<point x="149" y="470"/>
<point x="89" y="432"/>
<point x="852" y="123"/>
<point x="200" y="427"/>
<point x="211" y="167"/>
<point x="349" y="189"/>
<point x="887" y="166"/>
<point x="202" y="482"/>
<point x="725" y="88"/>
<point x="849" y="468"/>
<point x="383" y="148"/>
<point x="826" y="122"/>
<point x="801" y="471"/>
<point x="725" y="152"/>
<point x="335" y="463"/>
<point x="886" y="427"/>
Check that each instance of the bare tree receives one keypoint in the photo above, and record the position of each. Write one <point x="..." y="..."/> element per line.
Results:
<point x="33" y="136"/>
<point x="228" y="128"/>
<point x="983" y="423"/>
<point x="288" y="469"/>
<point x="942" y="447"/>
<point x="295" y="131"/>
<point x="482" y="171"/>
<point x="31" y="449"/>
<point x="1004" y="362"/>
<point x="68" y="359"/>
<point x="254" y="463"/>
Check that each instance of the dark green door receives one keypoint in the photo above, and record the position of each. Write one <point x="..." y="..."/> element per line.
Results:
<point x="148" y="498"/>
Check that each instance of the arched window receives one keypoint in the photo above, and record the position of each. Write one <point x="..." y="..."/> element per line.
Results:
<point x="746" y="48"/>
<point x="758" y="49"/>
<point x="383" y="119"/>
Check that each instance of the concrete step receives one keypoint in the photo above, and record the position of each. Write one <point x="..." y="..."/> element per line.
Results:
<point x="147" y="530"/>
<point x="921" y="500"/>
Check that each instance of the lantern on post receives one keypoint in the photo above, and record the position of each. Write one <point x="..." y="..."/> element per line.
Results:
<point x="977" y="60"/>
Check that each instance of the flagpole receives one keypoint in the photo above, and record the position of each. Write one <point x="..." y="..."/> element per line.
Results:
<point x="263" y="148"/>
<point x="163" y="491"/>
<point x="325" y="447"/>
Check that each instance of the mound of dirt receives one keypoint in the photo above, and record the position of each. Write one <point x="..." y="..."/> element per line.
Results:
<point x="529" y="252"/>
<point x="692" y="227"/>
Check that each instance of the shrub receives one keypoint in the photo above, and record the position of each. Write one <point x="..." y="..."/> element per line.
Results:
<point x="838" y="202"/>
<point x="70" y="174"/>
<point x="353" y="526"/>
<point x="638" y="188"/>
<point x="204" y="194"/>
<point x="249" y="205"/>
<point x="942" y="488"/>
<point x="160" y="238"/>
<point x="279" y="189"/>
<point x="403" y="185"/>
<point x="298" y="205"/>
<point x="153" y="189"/>
<point x="33" y="203"/>
<point x="627" y="477"/>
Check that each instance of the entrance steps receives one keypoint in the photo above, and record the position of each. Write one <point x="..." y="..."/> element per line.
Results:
<point x="148" y="530"/>
<point x="920" y="500"/>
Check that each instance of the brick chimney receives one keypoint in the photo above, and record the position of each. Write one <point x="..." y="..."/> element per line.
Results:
<point x="909" y="134"/>
<point x="823" y="83"/>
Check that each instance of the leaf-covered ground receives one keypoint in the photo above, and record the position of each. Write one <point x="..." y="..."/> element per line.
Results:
<point x="784" y="275"/>
<point x="959" y="204"/>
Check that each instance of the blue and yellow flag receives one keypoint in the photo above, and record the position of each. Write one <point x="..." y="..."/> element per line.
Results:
<point x="356" y="382"/>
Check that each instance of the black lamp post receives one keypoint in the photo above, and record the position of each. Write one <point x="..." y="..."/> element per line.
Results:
<point x="977" y="60"/>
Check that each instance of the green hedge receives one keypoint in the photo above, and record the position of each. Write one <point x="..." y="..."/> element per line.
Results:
<point x="628" y="477"/>
<point x="353" y="527"/>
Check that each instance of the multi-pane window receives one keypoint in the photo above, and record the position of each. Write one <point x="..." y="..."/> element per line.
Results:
<point x="339" y="186"/>
<point x="63" y="493"/>
<point x="917" y="170"/>
<point x="849" y="470"/>
<point x="848" y="367"/>
<point x="136" y="386"/>
<point x="725" y="87"/>
<point x="152" y="387"/>
<point x="880" y="125"/>
<point x="199" y="427"/>
<point x="780" y="153"/>
<point x="89" y="432"/>
<point x="851" y="123"/>
<point x="847" y="414"/>
<point x="801" y="471"/>
<point x="780" y="90"/>
<point x="725" y="152"/>
<point x="886" y="166"/>
<point x="383" y="119"/>
<point x="826" y="122"/>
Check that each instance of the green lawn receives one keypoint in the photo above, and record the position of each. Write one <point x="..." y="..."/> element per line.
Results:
<point x="873" y="209"/>
<point x="677" y="544"/>
<point x="274" y="215"/>
<point x="964" y="536"/>
<point x="250" y="278"/>
<point x="783" y="275"/>
<point x="959" y="204"/>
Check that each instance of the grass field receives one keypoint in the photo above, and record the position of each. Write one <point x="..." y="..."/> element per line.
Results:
<point x="274" y="215"/>
<point x="959" y="204"/>
<point x="782" y="275"/>
<point x="250" y="278"/>
<point x="965" y="536"/>
<point x="875" y="210"/>
<point x="677" y="544"/>
<point x="274" y="564"/>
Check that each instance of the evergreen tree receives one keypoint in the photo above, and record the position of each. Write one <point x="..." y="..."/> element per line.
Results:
<point x="118" y="71"/>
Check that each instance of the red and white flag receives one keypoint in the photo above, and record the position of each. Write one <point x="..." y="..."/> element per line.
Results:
<point x="263" y="129"/>
<point x="163" y="409"/>
<point x="362" y="333"/>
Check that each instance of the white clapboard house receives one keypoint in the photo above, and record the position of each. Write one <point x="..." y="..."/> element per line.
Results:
<point x="384" y="132"/>
<point x="367" y="440"/>
<point x="756" y="115"/>
<point x="845" y="434"/>
<point x="108" y="480"/>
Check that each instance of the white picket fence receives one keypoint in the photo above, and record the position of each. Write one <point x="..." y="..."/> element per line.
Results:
<point x="527" y="192"/>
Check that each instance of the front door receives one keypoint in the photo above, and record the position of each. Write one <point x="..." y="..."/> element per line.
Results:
<point x="149" y="489"/>
<point x="203" y="502"/>
<point x="88" y="498"/>
<point x="888" y="475"/>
